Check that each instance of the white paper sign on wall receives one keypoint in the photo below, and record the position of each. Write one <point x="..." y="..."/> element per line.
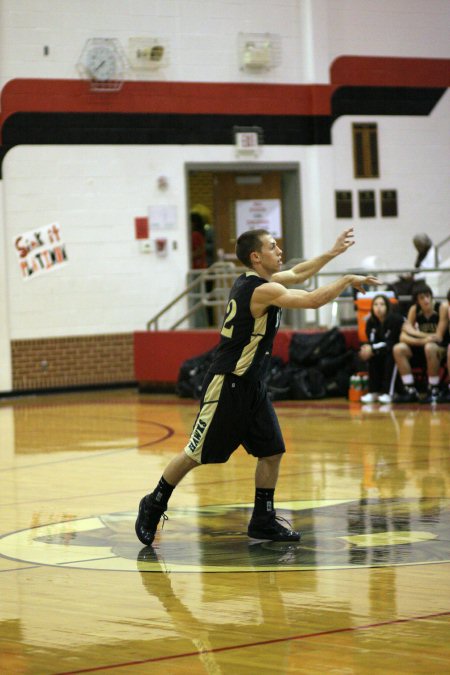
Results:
<point x="40" y="250"/>
<point x="253" y="214"/>
<point x="162" y="217"/>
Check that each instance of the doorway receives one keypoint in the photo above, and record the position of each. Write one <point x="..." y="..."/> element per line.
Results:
<point x="213" y="190"/>
<point x="216" y="188"/>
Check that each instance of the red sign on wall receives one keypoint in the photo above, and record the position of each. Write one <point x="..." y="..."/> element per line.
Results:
<point x="141" y="228"/>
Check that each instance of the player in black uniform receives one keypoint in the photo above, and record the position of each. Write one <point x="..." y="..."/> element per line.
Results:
<point x="421" y="344"/>
<point x="235" y="408"/>
<point x="444" y="394"/>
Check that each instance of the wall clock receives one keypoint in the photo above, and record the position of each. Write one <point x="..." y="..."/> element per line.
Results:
<point x="103" y="63"/>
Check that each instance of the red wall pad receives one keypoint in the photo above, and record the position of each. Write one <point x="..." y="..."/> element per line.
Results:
<point x="158" y="355"/>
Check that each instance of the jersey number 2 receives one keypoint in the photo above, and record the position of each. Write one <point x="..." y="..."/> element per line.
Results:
<point x="227" y="328"/>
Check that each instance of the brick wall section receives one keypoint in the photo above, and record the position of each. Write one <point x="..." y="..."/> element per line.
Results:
<point x="48" y="363"/>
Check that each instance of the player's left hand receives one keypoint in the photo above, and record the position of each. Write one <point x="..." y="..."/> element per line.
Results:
<point x="343" y="242"/>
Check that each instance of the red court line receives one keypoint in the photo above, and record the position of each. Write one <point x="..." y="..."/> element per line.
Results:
<point x="169" y="431"/>
<point x="261" y="643"/>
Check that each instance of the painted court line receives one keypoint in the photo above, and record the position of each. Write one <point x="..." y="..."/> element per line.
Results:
<point x="169" y="431"/>
<point x="391" y="622"/>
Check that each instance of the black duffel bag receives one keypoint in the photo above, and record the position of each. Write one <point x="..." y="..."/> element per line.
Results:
<point x="306" y="349"/>
<point x="308" y="383"/>
<point x="192" y="373"/>
<point x="278" y="379"/>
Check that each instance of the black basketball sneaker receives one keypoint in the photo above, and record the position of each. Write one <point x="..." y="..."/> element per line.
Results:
<point x="270" y="527"/>
<point x="149" y="515"/>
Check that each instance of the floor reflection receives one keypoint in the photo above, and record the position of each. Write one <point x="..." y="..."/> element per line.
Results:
<point x="412" y="453"/>
<point x="257" y="608"/>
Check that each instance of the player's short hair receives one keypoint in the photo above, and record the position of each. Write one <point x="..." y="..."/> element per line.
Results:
<point x="421" y="288"/>
<point x="247" y="243"/>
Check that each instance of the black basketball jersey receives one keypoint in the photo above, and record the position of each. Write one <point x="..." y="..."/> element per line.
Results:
<point x="427" y="325"/>
<point x="245" y="342"/>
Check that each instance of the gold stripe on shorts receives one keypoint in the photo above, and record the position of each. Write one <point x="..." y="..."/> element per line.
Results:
<point x="194" y="447"/>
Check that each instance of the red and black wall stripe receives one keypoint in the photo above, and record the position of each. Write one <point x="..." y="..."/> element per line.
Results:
<point x="67" y="112"/>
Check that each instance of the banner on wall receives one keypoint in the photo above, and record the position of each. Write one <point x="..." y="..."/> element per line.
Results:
<point x="255" y="214"/>
<point x="40" y="250"/>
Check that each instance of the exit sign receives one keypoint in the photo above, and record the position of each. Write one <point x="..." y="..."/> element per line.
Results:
<point x="247" y="140"/>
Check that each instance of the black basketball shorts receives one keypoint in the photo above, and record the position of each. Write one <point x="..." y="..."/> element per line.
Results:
<point x="234" y="411"/>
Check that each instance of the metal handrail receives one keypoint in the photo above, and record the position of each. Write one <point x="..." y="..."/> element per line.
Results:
<point x="438" y="247"/>
<point x="411" y="271"/>
<point x="219" y="273"/>
<point x="223" y="275"/>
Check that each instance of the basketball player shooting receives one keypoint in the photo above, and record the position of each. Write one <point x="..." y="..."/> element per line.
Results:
<point x="235" y="408"/>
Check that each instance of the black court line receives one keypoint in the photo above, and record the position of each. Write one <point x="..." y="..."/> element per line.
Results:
<point x="19" y="569"/>
<point x="86" y="560"/>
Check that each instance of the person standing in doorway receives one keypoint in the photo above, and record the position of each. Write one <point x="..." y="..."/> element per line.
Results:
<point x="198" y="219"/>
<point x="198" y="242"/>
<point x="198" y="255"/>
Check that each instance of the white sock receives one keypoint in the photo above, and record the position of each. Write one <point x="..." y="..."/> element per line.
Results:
<point x="408" y="380"/>
<point x="433" y="380"/>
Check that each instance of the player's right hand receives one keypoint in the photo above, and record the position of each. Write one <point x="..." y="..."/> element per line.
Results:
<point x="358" y="281"/>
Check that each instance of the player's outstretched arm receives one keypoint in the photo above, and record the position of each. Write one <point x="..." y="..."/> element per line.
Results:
<point x="306" y="269"/>
<point x="276" y="294"/>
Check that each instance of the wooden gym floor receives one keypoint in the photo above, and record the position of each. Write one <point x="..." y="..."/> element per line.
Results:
<point x="365" y="591"/>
